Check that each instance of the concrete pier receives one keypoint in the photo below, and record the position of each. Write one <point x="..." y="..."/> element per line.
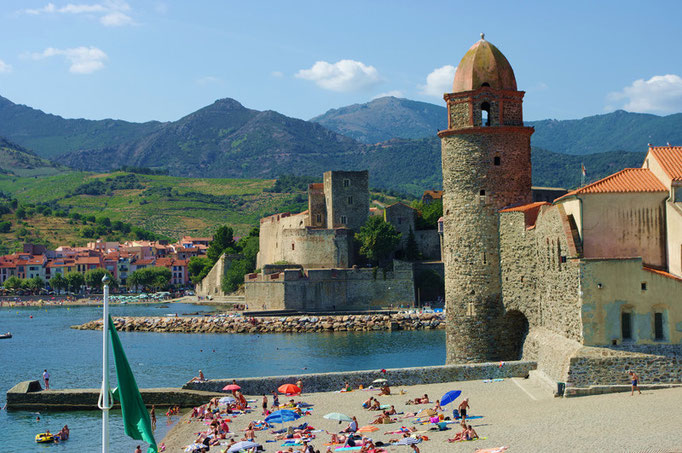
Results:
<point x="29" y="395"/>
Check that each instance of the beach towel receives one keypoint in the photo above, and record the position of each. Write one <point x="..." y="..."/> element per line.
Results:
<point x="492" y="450"/>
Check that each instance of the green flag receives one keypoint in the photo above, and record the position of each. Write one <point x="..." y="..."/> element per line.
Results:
<point x="136" y="421"/>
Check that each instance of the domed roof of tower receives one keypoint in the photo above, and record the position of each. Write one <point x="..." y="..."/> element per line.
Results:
<point x="484" y="64"/>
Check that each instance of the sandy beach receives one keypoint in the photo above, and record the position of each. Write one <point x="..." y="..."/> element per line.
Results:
<point x="515" y="413"/>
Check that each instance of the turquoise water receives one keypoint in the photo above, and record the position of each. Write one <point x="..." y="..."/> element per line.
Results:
<point x="73" y="358"/>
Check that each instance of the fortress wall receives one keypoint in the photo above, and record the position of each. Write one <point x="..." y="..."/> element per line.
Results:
<point x="211" y="285"/>
<point x="316" y="248"/>
<point x="428" y="242"/>
<point x="540" y="273"/>
<point x="337" y="195"/>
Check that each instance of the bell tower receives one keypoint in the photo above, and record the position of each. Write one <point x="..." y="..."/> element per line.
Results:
<point x="486" y="167"/>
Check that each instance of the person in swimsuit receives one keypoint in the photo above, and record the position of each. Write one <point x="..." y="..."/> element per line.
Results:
<point x="152" y="416"/>
<point x="635" y="381"/>
<point x="463" y="406"/>
<point x="46" y="379"/>
<point x="265" y="404"/>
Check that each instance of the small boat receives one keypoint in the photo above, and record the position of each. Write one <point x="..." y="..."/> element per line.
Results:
<point x="44" y="438"/>
<point x="6" y="335"/>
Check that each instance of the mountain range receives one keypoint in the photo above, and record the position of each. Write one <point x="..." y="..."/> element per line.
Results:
<point x="388" y="136"/>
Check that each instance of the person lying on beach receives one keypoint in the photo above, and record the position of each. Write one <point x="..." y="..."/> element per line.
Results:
<point x="384" y="418"/>
<point x="391" y="411"/>
<point x="385" y="390"/>
<point x="422" y="400"/>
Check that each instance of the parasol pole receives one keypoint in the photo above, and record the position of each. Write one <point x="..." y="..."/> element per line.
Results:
<point x="104" y="403"/>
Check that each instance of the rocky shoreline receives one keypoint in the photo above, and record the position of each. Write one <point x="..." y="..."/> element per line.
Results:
<point x="288" y="324"/>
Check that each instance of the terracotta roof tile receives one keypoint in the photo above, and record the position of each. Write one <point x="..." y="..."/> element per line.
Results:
<point x="530" y="212"/>
<point x="670" y="158"/>
<point x="626" y="180"/>
<point x="662" y="273"/>
<point x="435" y="194"/>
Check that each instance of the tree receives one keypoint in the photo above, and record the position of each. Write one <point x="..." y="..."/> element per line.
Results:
<point x="198" y="267"/>
<point x="150" y="278"/>
<point x="378" y="239"/>
<point x="93" y="277"/>
<point x="234" y="277"/>
<point x="223" y="240"/>
<point x="59" y="283"/>
<point x="35" y="284"/>
<point x="428" y="214"/>
<point x="411" y="248"/>
<point x="75" y="280"/>
<point x="20" y="213"/>
<point x="13" y="283"/>
<point x="5" y="227"/>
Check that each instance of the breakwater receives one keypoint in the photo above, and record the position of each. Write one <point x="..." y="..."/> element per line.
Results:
<point x="29" y="395"/>
<point x="288" y="324"/>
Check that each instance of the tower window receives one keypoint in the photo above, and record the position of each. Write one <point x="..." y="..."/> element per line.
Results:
<point x="626" y="325"/>
<point x="318" y="218"/>
<point x="497" y="160"/>
<point x="482" y="193"/>
<point x="658" y="326"/>
<point x="293" y="247"/>
<point x="643" y="286"/>
<point x="344" y="220"/>
<point x="350" y="200"/>
<point x="485" y="114"/>
<point x="346" y="183"/>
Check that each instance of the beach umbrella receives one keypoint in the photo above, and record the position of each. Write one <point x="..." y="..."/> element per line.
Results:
<point x="243" y="445"/>
<point x="368" y="429"/>
<point x="227" y="400"/>
<point x="282" y="416"/>
<point x="449" y="397"/>
<point x="408" y="441"/>
<point x="338" y="416"/>
<point x="288" y="388"/>
<point x="379" y="381"/>
<point x="232" y="387"/>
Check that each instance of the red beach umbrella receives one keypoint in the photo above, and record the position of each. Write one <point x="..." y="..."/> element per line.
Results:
<point x="288" y="388"/>
<point x="232" y="387"/>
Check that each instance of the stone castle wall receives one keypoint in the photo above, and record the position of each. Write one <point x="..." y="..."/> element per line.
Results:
<point x="428" y="242"/>
<point x="211" y="285"/>
<point x="332" y="289"/>
<point x="346" y="195"/>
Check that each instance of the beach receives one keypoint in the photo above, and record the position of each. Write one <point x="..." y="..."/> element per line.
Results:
<point x="515" y="413"/>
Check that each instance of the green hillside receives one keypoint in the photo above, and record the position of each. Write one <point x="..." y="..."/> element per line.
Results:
<point x="19" y="161"/>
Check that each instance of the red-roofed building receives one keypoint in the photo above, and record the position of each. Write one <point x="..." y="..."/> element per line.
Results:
<point x="86" y="263"/>
<point x="432" y="195"/>
<point x="178" y="268"/>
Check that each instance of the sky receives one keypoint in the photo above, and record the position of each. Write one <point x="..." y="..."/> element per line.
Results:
<point x="161" y="60"/>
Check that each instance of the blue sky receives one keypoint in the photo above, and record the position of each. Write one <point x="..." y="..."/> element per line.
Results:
<point x="144" y="60"/>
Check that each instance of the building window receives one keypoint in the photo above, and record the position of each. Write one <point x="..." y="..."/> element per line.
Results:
<point x="485" y="114"/>
<point x="626" y="325"/>
<point x="482" y="193"/>
<point x="318" y="218"/>
<point x="497" y="160"/>
<point x="400" y="220"/>
<point x="293" y="247"/>
<point x="344" y="220"/>
<point x="350" y="200"/>
<point x="643" y="286"/>
<point x="346" y="183"/>
<point x="658" y="326"/>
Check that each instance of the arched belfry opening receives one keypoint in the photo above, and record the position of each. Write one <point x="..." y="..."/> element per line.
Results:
<point x="512" y="335"/>
<point x="485" y="84"/>
<point x="485" y="114"/>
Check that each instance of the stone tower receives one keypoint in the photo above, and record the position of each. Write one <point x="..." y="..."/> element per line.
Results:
<point x="486" y="167"/>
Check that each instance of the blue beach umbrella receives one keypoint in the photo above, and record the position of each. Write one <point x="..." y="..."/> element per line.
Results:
<point x="282" y="416"/>
<point x="450" y="397"/>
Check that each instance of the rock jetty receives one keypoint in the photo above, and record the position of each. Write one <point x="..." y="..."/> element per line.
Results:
<point x="291" y="324"/>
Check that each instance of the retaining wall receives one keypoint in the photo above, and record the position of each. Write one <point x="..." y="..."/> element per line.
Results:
<point x="327" y="382"/>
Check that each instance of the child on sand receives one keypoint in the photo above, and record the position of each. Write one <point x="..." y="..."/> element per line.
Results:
<point x="635" y="381"/>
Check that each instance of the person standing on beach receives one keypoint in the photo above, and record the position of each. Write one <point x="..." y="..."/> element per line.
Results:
<point x="46" y="379"/>
<point x="265" y="404"/>
<point x="634" y="379"/>
<point x="275" y="399"/>
<point x="152" y="415"/>
<point x="463" y="407"/>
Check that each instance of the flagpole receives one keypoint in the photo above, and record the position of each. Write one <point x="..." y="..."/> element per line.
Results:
<point x="105" y="404"/>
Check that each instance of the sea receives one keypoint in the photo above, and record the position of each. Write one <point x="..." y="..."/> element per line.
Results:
<point x="42" y="339"/>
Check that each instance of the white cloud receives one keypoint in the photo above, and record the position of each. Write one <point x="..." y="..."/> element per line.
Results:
<point x="659" y="94"/>
<point x="5" y="67"/>
<point x="208" y="80"/>
<point x="111" y="13"/>
<point x="394" y="93"/>
<point x="439" y="81"/>
<point x="344" y="75"/>
<point x="277" y="74"/>
<point x="83" y="60"/>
